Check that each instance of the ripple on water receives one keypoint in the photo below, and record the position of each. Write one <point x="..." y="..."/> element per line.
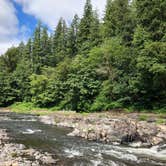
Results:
<point x="72" y="153"/>
<point x="75" y="151"/>
<point x="30" y="131"/>
<point x="121" y="155"/>
<point x="96" y="162"/>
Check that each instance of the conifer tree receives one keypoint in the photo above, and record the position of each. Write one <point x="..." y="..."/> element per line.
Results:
<point x="115" y="19"/>
<point x="51" y="59"/>
<point x="59" y="40"/>
<point x="44" y="45"/>
<point x="37" y="49"/>
<point x="85" y="28"/>
<point x="95" y="34"/>
<point x="28" y="50"/>
<point x="72" y="38"/>
<point x="21" y="48"/>
<point x="109" y="21"/>
<point x="151" y="15"/>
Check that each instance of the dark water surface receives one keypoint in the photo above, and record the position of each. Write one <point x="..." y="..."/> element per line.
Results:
<point x="72" y="151"/>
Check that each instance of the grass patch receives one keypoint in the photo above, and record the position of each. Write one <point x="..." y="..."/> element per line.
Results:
<point x="161" y="121"/>
<point x="29" y="108"/>
<point x="143" y="117"/>
<point x="129" y="110"/>
<point x="22" y="107"/>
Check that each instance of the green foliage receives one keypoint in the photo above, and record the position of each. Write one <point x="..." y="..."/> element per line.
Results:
<point x="94" y="64"/>
<point x="152" y="16"/>
<point x="23" y="107"/>
<point x="112" y="65"/>
<point x="143" y="117"/>
<point x="40" y="89"/>
<point x="82" y="86"/>
<point x="95" y="35"/>
<point x="10" y="59"/>
<point x="72" y="37"/>
<point x="59" y="41"/>
<point x="7" y="92"/>
<point x="119" y="20"/>
<point x="103" y="99"/>
<point x="89" y="28"/>
<point x="141" y="37"/>
<point x="151" y="65"/>
<point x="161" y="121"/>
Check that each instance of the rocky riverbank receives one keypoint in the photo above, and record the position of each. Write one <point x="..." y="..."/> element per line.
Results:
<point x="112" y="128"/>
<point x="12" y="154"/>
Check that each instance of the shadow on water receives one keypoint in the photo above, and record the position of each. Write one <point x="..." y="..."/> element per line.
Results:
<point x="72" y="151"/>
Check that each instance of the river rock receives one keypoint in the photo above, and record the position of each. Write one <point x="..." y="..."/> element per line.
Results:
<point x="116" y="130"/>
<point x="12" y="154"/>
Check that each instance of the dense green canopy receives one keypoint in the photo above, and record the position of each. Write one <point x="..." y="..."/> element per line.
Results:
<point x="93" y="64"/>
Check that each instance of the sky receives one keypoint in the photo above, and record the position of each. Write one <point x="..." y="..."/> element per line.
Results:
<point x="18" y="18"/>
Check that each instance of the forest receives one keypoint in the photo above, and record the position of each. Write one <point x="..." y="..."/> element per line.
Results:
<point x="94" y="64"/>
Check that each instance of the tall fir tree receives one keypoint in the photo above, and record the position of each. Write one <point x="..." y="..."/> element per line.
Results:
<point x="51" y="59"/>
<point x="37" y="49"/>
<point x="59" y="40"/>
<point x="46" y="49"/>
<point x="151" y="15"/>
<point x="21" y="48"/>
<point x="28" y="51"/>
<point x="116" y="20"/>
<point x="72" y="37"/>
<point x="95" y="33"/>
<point x="109" y="20"/>
<point x="85" y="28"/>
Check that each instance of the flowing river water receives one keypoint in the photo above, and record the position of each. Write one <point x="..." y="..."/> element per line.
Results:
<point x="73" y="151"/>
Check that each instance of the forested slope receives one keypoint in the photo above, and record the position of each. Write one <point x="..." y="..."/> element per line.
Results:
<point x="94" y="64"/>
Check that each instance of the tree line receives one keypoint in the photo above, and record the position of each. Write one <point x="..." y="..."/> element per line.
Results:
<point x="93" y="64"/>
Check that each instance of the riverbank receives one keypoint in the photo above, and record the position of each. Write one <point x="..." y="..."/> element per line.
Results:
<point x="116" y="127"/>
<point x="134" y="129"/>
<point x="12" y="154"/>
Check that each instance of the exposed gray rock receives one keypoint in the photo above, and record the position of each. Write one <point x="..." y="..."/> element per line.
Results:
<point x="128" y="131"/>
<point x="17" y="155"/>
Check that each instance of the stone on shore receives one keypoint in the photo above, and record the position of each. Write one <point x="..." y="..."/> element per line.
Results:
<point x="12" y="154"/>
<point x="113" y="129"/>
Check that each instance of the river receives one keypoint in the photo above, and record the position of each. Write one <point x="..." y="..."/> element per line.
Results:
<point x="73" y="151"/>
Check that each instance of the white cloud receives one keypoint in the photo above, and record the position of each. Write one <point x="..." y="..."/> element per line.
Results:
<point x="5" y="45"/>
<point x="8" y="19"/>
<point x="49" y="11"/>
<point x="8" y="25"/>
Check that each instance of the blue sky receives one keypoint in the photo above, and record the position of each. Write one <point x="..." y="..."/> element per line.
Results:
<point x="18" y="18"/>
<point x="26" y="23"/>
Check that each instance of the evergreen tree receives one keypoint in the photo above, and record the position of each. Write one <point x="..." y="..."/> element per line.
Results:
<point x="151" y="15"/>
<point x="50" y="58"/>
<point x="130" y="24"/>
<point x="116" y="17"/>
<point x="46" y="49"/>
<point x="21" y="48"/>
<point x="109" y="20"/>
<point x="37" y="49"/>
<point x="85" y="28"/>
<point x="124" y="69"/>
<point x="72" y="38"/>
<point x="95" y="35"/>
<point x="141" y="37"/>
<point x="59" y="40"/>
<point x="28" y="51"/>
<point x="10" y="59"/>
